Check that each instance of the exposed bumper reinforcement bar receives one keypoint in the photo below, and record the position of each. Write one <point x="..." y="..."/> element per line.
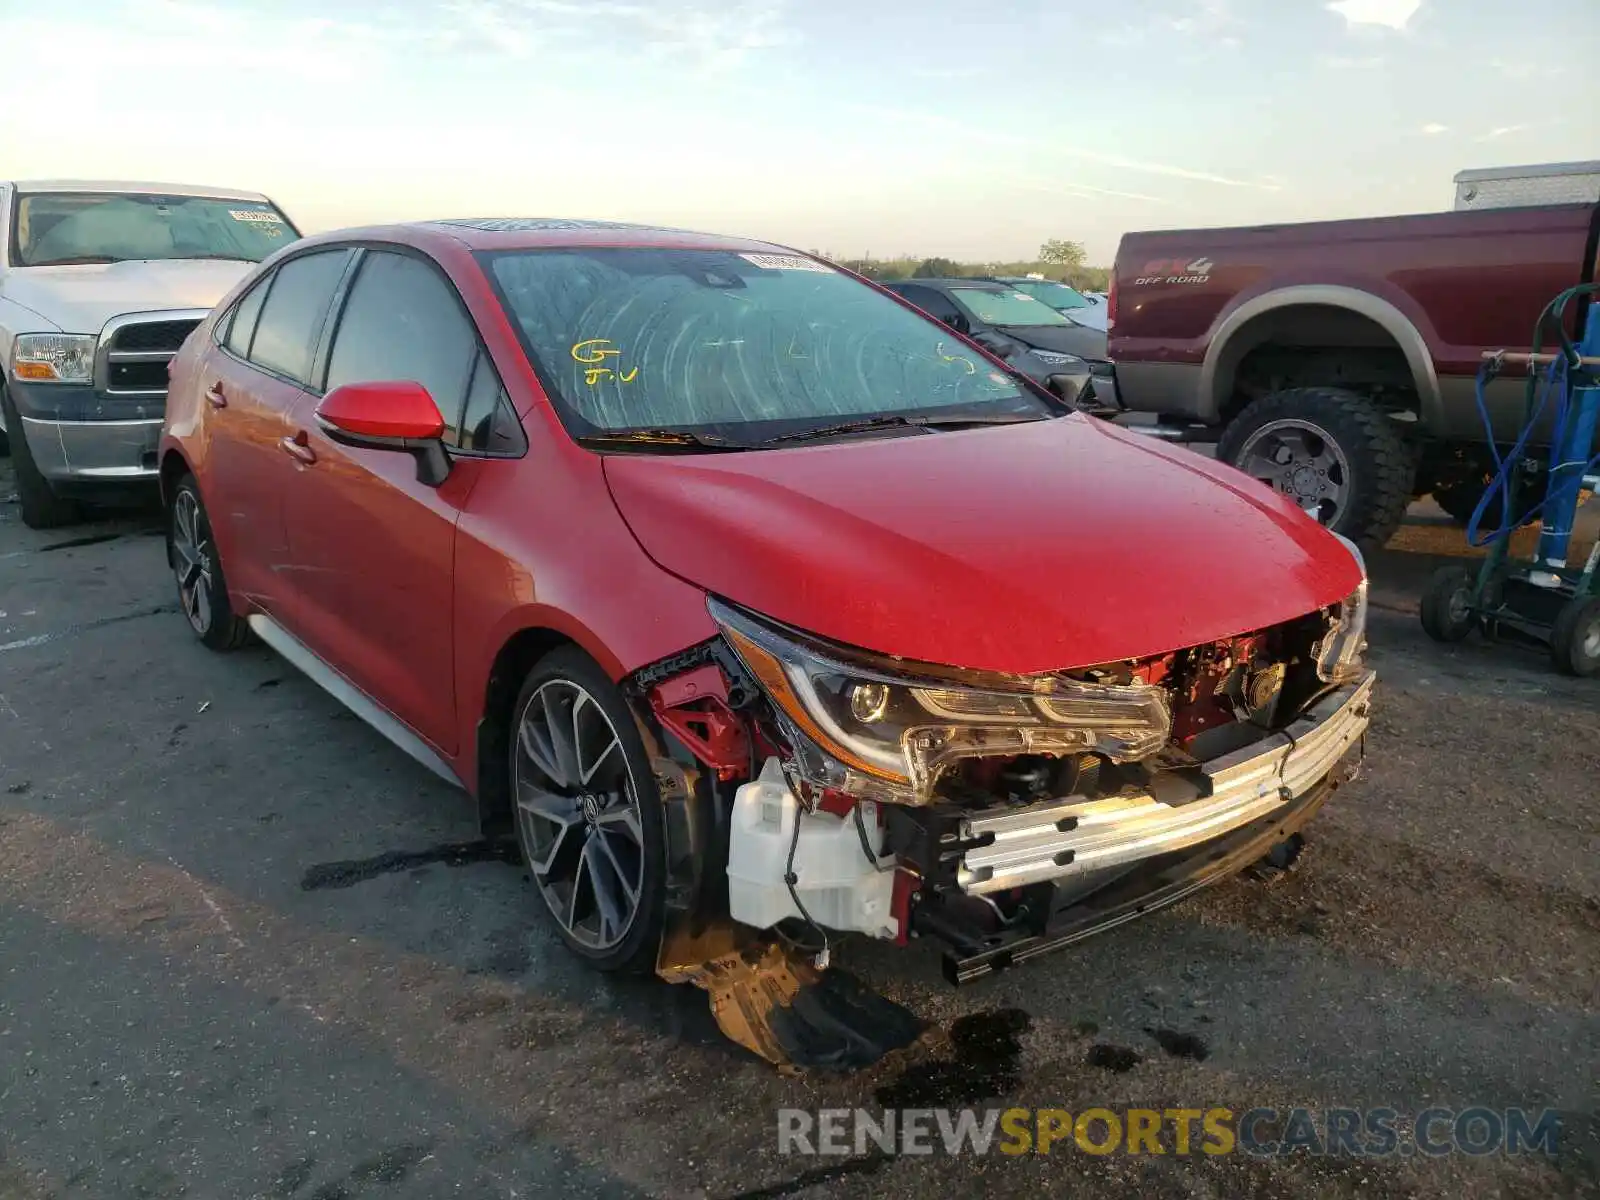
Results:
<point x="1147" y="888"/>
<point x="1075" y="837"/>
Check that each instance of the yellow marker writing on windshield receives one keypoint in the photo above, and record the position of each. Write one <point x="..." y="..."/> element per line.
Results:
<point x="594" y="355"/>
<point x="971" y="367"/>
<point x="597" y="350"/>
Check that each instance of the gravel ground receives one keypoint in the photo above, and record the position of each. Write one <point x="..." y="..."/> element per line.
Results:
<point x="181" y="1015"/>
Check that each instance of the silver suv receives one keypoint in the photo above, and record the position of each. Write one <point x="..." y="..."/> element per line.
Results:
<point x="100" y="283"/>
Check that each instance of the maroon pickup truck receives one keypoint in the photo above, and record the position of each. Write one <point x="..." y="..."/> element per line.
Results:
<point x="1336" y="360"/>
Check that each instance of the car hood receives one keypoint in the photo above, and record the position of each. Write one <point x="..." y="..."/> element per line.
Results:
<point x="1017" y="548"/>
<point x="1064" y="339"/>
<point x="82" y="298"/>
<point x="1090" y="317"/>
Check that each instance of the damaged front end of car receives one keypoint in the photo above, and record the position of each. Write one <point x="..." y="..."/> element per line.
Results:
<point x="833" y="791"/>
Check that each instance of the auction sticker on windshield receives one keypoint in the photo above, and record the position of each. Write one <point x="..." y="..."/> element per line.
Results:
<point x="786" y="262"/>
<point x="255" y="214"/>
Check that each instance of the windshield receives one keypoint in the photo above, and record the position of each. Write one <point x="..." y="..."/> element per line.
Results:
<point x="1006" y="307"/>
<point x="746" y="346"/>
<point x="67" y="227"/>
<point x="1057" y="295"/>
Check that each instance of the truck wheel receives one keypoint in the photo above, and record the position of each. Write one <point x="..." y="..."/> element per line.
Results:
<point x="41" y="507"/>
<point x="1333" y="452"/>
<point x="1460" y="500"/>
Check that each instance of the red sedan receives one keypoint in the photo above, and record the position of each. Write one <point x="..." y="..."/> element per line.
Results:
<point x="738" y="586"/>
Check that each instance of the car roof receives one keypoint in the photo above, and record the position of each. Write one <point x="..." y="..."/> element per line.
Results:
<point x="28" y="186"/>
<point x="985" y="285"/>
<point x="518" y="233"/>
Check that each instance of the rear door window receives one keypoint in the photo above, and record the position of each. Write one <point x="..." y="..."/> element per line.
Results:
<point x="403" y="321"/>
<point x="293" y="312"/>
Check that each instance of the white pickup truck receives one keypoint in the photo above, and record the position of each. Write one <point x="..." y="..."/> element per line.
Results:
<point x="100" y="283"/>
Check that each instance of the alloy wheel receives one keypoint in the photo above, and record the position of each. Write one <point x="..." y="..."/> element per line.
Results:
<point x="578" y="814"/>
<point x="191" y="560"/>
<point x="1300" y="460"/>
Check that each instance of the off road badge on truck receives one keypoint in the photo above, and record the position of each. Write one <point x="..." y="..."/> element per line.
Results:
<point x="1174" y="270"/>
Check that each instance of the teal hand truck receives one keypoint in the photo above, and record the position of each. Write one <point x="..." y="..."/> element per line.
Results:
<point x="1546" y="600"/>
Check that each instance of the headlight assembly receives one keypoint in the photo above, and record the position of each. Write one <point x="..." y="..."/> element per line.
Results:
<point x="53" y="358"/>
<point x="1053" y="359"/>
<point x="1342" y="652"/>
<point x="885" y="730"/>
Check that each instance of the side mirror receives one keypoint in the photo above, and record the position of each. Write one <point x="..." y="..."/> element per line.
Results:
<point x="957" y="322"/>
<point x="1000" y="347"/>
<point x="389" y="416"/>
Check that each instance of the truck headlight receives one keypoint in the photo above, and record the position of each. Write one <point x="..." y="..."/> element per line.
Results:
<point x="885" y="729"/>
<point x="1342" y="652"/>
<point x="53" y="358"/>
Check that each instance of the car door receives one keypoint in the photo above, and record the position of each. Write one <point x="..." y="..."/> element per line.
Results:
<point x="941" y="308"/>
<point x="935" y="303"/>
<point x="252" y="379"/>
<point x="371" y="549"/>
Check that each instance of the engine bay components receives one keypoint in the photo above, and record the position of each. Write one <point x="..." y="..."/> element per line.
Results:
<point x="847" y="793"/>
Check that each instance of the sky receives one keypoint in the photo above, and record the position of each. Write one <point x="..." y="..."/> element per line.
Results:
<point x="883" y="127"/>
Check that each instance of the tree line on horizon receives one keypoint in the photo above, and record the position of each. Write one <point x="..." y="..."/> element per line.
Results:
<point x="1058" y="259"/>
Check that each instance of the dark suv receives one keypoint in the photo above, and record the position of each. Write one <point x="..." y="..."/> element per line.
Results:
<point x="1027" y="333"/>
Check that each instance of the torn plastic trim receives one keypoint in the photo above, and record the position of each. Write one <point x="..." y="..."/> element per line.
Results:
<point x="780" y="1007"/>
<point x="688" y="825"/>
<point x="1341" y="651"/>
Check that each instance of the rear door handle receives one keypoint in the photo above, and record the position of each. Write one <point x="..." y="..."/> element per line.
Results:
<point x="214" y="396"/>
<point x="297" y="446"/>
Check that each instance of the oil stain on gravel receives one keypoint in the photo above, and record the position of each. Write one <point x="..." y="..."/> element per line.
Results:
<point x="988" y="1050"/>
<point x="867" y="1164"/>
<point x="1180" y="1045"/>
<point x="350" y="872"/>
<point x="1117" y="1059"/>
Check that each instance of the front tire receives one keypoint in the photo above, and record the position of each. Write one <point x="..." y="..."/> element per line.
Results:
<point x="1333" y="452"/>
<point x="41" y="507"/>
<point x="589" y="818"/>
<point x="197" y="567"/>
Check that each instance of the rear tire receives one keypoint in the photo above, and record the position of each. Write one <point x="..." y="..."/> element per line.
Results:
<point x="588" y="815"/>
<point x="197" y="567"/>
<point x="1575" y="638"/>
<point x="41" y="507"/>
<point x="1331" y="449"/>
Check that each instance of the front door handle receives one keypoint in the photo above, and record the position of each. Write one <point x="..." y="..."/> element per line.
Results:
<point x="214" y="396"/>
<point x="297" y="446"/>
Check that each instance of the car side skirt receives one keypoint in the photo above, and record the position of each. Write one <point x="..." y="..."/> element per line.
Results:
<point x="301" y="656"/>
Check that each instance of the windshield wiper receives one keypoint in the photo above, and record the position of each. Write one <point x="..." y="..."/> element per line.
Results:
<point x="217" y="257"/>
<point x="607" y="439"/>
<point x="891" y="420"/>
<point x="79" y="260"/>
